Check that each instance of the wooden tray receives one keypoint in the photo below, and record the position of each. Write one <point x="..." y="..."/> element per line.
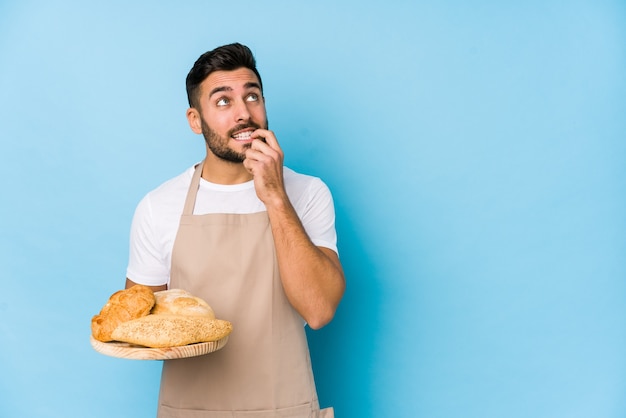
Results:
<point x="137" y="352"/>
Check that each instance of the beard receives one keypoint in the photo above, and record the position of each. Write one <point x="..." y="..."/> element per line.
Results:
<point x="219" y="145"/>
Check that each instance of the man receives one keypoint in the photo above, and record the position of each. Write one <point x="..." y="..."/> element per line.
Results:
<point x="255" y="239"/>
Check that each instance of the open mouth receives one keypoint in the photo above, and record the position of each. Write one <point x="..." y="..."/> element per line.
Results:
<point x="242" y="136"/>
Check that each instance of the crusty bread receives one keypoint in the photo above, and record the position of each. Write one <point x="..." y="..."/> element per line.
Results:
<point x="167" y="330"/>
<point x="122" y="306"/>
<point x="180" y="302"/>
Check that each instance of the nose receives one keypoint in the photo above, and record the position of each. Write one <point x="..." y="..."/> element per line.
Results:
<point x="242" y="113"/>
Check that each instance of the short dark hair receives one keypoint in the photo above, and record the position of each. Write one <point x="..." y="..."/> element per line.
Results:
<point x="224" y="58"/>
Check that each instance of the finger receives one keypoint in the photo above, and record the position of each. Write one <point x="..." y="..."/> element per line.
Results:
<point x="248" y="164"/>
<point x="256" y="153"/>
<point x="262" y="151"/>
<point x="268" y="137"/>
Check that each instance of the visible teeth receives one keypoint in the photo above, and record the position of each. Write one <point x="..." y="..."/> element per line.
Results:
<point x="242" y="136"/>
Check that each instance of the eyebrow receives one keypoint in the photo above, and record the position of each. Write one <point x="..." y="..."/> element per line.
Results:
<point x="248" y="85"/>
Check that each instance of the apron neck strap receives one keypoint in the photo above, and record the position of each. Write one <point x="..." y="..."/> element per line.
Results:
<point x="190" y="201"/>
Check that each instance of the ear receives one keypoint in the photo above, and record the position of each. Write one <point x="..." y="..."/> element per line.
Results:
<point x="193" y="117"/>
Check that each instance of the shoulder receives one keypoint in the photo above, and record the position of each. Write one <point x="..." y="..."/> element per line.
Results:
<point x="305" y="190"/>
<point x="168" y="196"/>
<point x="173" y="185"/>
<point x="299" y="181"/>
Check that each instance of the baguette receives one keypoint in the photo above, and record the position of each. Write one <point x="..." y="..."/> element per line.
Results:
<point x="165" y="330"/>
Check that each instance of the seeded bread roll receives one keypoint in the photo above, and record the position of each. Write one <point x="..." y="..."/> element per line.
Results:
<point x="164" y="330"/>
<point x="180" y="302"/>
<point x="122" y="306"/>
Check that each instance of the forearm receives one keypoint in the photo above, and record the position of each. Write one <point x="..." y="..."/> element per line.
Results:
<point x="312" y="277"/>
<point x="130" y="283"/>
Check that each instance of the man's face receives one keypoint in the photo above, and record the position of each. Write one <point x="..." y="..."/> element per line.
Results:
<point x="231" y="107"/>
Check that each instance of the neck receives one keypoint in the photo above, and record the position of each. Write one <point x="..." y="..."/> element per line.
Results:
<point x="221" y="171"/>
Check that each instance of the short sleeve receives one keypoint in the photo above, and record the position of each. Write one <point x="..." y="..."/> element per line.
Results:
<point x="146" y="264"/>
<point x="318" y="215"/>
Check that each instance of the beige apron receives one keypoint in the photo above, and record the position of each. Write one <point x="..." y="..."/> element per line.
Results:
<point x="265" y="369"/>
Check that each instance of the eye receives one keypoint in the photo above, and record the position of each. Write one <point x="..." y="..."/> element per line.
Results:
<point x="222" y="102"/>
<point x="252" y="97"/>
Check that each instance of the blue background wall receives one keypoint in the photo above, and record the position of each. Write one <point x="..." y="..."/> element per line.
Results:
<point x="476" y="151"/>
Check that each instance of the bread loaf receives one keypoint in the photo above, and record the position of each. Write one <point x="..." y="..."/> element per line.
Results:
<point x="165" y="330"/>
<point x="122" y="306"/>
<point x="180" y="302"/>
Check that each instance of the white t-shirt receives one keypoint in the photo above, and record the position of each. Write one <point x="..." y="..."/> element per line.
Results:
<point x="157" y="217"/>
